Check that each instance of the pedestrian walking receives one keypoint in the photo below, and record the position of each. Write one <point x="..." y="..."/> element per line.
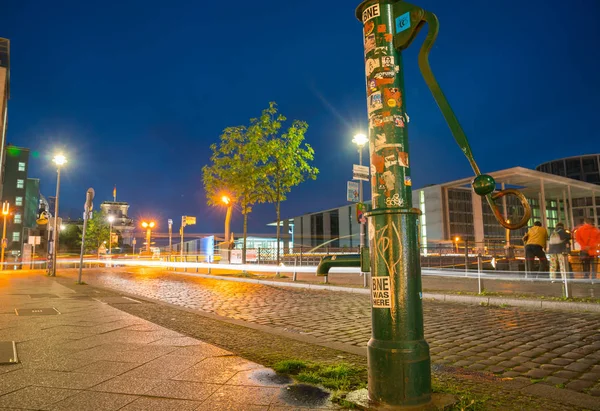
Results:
<point x="535" y="244"/>
<point x="558" y="251"/>
<point x="588" y="238"/>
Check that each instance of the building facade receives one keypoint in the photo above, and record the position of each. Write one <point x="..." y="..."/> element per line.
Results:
<point x="452" y="212"/>
<point x="16" y="165"/>
<point x="583" y="168"/>
<point x="4" y="96"/>
<point x="122" y="223"/>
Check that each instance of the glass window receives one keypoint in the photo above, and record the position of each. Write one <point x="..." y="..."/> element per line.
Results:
<point x="20" y="183"/>
<point x="16" y="236"/>
<point x="21" y="166"/>
<point x="18" y="201"/>
<point x="17" y="219"/>
<point x="589" y="165"/>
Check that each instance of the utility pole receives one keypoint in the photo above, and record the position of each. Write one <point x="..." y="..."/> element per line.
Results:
<point x="183" y="222"/>
<point x="170" y="221"/>
<point x="5" y="211"/>
<point x="87" y="207"/>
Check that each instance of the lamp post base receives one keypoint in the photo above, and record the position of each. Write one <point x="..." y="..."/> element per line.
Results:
<point x="360" y="399"/>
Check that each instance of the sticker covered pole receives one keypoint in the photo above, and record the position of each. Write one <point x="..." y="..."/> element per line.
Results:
<point x="398" y="355"/>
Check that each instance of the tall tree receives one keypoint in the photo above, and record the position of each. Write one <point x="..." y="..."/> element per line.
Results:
<point x="289" y="160"/>
<point x="98" y="231"/>
<point x="238" y="168"/>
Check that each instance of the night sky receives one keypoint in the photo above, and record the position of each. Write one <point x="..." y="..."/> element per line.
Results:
<point x="134" y="92"/>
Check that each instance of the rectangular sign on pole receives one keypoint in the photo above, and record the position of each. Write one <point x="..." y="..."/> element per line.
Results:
<point x="190" y="220"/>
<point x="34" y="240"/>
<point x="360" y="172"/>
<point x="352" y="192"/>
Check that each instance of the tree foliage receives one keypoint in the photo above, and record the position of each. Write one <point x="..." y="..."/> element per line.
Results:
<point x="289" y="161"/>
<point x="256" y="164"/>
<point x="70" y="239"/>
<point x="238" y="169"/>
<point x="98" y="231"/>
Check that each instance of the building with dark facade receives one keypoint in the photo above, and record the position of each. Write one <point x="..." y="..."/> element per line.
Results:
<point x="4" y="96"/>
<point x="583" y="168"/>
<point x="16" y="165"/>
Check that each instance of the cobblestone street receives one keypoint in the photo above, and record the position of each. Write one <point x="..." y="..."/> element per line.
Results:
<point x="562" y="348"/>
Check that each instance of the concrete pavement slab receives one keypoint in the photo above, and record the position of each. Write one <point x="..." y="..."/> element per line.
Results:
<point x="35" y="397"/>
<point x="163" y="404"/>
<point x="98" y="401"/>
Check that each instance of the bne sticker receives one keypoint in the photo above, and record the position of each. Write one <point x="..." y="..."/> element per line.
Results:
<point x="381" y="291"/>
<point x="370" y="13"/>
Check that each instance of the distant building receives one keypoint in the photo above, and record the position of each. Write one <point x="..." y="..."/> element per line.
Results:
<point x="584" y="168"/>
<point x="452" y="210"/>
<point x="4" y="96"/>
<point x="16" y="165"/>
<point x="123" y="224"/>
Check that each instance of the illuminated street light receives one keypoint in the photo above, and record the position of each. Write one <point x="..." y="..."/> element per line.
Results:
<point x="60" y="160"/>
<point x="5" y="211"/>
<point x="148" y="225"/>
<point x="229" y="203"/>
<point x="456" y="240"/>
<point x="62" y="227"/>
<point x="360" y="140"/>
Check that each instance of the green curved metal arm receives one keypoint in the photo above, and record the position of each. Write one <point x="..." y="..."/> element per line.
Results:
<point x="483" y="185"/>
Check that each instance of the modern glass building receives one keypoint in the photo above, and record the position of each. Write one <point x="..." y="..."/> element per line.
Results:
<point x="583" y="168"/>
<point x="16" y="166"/>
<point x="453" y="212"/>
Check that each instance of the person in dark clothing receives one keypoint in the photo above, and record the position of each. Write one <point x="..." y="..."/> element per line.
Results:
<point x="535" y="244"/>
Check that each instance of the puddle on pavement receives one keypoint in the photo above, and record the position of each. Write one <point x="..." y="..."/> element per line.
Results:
<point x="304" y="395"/>
<point x="269" y="377"/>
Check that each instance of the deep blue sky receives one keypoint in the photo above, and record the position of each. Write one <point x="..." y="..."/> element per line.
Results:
<point x="136" y="91"/>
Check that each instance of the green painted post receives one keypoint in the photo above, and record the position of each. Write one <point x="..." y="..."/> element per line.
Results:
<point x="398" y="355"/>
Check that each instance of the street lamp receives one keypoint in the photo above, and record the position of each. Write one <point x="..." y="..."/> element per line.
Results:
<point x="148" y="225"/>
<point x="5" y="211"/>
<point x="360" y="140"/>
<point x="111" y="219"/>
<point x="225" y="199"/>
<point x="60" y="160"/>
<point x="456" y="240"/>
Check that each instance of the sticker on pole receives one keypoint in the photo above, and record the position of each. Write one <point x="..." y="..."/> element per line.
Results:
<point x="402" y="22"/>
<point x="370" y="13"/>
<point x="380" y="292"/>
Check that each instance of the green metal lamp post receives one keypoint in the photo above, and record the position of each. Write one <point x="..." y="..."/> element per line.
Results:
<point x="398" y="355"/>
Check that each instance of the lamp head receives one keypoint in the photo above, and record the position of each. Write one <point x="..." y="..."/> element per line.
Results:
<point x="360" y="140"/>
<point x="59" y="160"/>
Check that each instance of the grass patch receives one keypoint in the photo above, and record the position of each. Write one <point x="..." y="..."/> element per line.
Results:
<point x="465" y="400"/>
<point x="290" y="366"/>
<point x="336" y="377"/>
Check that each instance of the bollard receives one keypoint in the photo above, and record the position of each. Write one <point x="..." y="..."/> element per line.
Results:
<point x="197" y="266"/>
<point x="295" y="271"/>
<point x="479" y="265"/>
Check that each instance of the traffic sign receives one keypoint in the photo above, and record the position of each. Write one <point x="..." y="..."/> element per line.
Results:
<point x="187" y="220"/>
<point x="360" y="172"/>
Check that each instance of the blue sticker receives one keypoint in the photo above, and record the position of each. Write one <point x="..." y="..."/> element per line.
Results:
<point x="403" y="22"/>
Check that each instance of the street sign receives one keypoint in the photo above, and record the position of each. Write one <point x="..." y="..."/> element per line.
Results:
<point x="187" y="220"/>
<point x="134" y="242"/>
<point x="352" y="192"/>
<point x="34" y="240"/>
<point x="360" y="172"/>
<point x="170" y="222"/>
<point x="4" y="242"/>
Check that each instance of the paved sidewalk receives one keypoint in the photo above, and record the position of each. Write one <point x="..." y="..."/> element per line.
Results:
<point x="93" y="356"/>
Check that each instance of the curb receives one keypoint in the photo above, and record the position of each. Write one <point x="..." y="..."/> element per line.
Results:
<point x="463" y="299"/>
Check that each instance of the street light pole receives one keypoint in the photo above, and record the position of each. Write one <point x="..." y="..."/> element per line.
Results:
<point x="148" y="226"/>
<point x="227" y="201"/>
<point x="110" y="222"/>
<point x="360" y="140"/>
<point x="170" y="236"/>
<point x="59" y="160"/>
<point x="5" y="210"/>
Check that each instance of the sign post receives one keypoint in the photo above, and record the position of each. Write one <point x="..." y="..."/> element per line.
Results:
<point x="88" y="206"/>
<point x="185" y="220"/>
